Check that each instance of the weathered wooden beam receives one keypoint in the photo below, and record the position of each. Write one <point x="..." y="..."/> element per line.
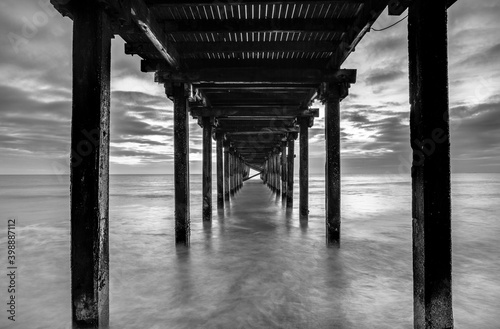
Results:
<point x="207" y="169"/>
<point x="220" y="172"/>
<point x="186" y="49"/>
<point x="147" y="22"/>
<point x="304" y="168"/>
<point x="257" y="74"/>
<point x="153" y="65"/>
<point x="250" y="137"/>
<point x="249" y="121"/>
<point x="90" y="166"/>
<point x="275" y="112"/>
<point x="430" y="141"/>
<point x="365" y="18"/>
<point x="255" y="86"/>
<point x="253" y="130"/>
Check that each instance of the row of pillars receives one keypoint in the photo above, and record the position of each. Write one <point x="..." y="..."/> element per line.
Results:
<point x="231" y="169"/>
<point x="429" y="123"/>
<point x="278" y="170"/>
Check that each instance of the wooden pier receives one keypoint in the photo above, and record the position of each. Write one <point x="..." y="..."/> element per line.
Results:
<point x="248" y="71"/>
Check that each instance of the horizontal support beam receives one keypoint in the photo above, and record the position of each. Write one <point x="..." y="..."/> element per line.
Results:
<point x="254" y="86"/>
<point x="254" y="130"/>
<point x="249" y="112"/>
<point x="147" y="22"/>
<point x="195" y="48"/>
<point x="258" y="74"/>
<point x="179" y="3"/>
<point x="153" y="65"/>
<point x="262" y="25"/>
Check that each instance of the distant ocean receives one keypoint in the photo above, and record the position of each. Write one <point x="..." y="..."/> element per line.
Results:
<point x="255" y="267"/>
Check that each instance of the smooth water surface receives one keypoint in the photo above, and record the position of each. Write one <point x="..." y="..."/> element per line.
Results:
<point x="255" y="266"/>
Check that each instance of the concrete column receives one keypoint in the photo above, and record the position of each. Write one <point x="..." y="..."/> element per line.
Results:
<point x="90" y="166"/>
<point x="226" y="173"/>
<point x="430" y="141"/>
<point x="304" y="168"/>
<point x="220" y="172"/>
<point x="207" y="169"/>
<point x="291" y="157"/>
<point x="332" y="170"/>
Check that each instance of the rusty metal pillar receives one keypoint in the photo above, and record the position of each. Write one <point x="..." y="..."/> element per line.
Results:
<point x="430" y="141"/>
<point x="90" y="166"/>
<point x="207" y="169"/>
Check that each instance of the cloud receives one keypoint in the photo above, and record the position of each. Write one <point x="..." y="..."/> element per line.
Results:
<point x="378" y="76"/>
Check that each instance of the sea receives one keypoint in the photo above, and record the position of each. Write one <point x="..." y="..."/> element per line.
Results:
<point x="255" y="265"/>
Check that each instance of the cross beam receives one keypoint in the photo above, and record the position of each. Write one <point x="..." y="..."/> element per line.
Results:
<point x="245" y="75"/>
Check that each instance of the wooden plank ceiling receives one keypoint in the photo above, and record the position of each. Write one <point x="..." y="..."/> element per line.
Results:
<point x="255" y="66"/>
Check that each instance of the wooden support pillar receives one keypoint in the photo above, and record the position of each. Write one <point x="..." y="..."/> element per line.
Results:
<point x="304" y="168"/>
<point x="231" y="175"/>
<point x="239" y="174"/>
<point x="278" y="174"/>
<point x="430" y="141"/>
<point x="220" y="171"/>
<point x="291" y="157"/>
<point x="266" y="173"/>
<point x="332" y="170"/>
<point x="181" y="165"/>
<point x="226" y="173"/>
<point x="271" y="171"/>
<point x="283" y="171"/>
<point x="207" y="169"/>
<point x="90" y="167"/>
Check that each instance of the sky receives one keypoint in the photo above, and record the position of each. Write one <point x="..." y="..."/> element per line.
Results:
<point x="35" y="99"/>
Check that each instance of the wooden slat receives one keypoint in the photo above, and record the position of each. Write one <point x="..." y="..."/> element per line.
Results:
<point x="177" y="3"/>
<point x="262" y="25"/>
<point x="196" y="48"/>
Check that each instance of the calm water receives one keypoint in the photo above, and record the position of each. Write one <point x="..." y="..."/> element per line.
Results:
<point x="255" y="267"/>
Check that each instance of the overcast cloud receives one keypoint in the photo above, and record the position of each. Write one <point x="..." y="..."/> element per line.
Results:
<point x="35" y="98"/>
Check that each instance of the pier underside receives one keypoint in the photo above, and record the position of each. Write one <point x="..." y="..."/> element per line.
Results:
<point x="249" y="72"/>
